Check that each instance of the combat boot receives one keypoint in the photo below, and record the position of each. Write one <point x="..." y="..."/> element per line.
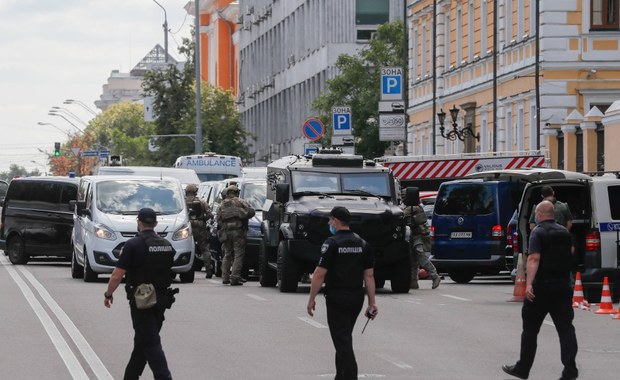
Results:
<point x="436" y="281"/>
<point x="235" y="282"/>
<point x="209" y="271"/>
<point x="414" y="284"/>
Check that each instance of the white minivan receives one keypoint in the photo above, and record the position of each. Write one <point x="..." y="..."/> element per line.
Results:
<point x="105" y="218"/>
<point x="595" y="205"/>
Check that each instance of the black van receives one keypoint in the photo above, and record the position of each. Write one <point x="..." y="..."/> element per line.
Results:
<point x="37" y="219"/>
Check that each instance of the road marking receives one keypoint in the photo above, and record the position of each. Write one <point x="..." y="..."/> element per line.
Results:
<point x="215" y="281"/>
<point x="67" y="356"/>
<point x="258" y="298"/>
<point x="455" y="297"/>
<point x="85" y="349"/>
<point x="546" y="322"/>
<point x="312" y="322"/>
<point x="395" y="362"/>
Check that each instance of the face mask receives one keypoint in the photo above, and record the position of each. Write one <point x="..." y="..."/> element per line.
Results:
<point x="332" y="230"/>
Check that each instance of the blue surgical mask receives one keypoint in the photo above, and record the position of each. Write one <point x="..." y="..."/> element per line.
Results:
<point x="332" y="230"/>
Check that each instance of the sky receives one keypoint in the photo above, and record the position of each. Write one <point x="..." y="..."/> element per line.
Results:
<point x="53" y="50"/>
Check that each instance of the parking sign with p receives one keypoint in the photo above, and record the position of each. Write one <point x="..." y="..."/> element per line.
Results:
<point x="391" y="83"/>
<point x="341" y="120"/>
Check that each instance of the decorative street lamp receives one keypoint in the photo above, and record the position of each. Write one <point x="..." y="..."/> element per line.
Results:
<point x="455" y="132"/>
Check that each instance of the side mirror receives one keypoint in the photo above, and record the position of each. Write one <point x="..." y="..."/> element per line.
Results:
<point x="412" y="196"/>
<point x="282" y="190"/>
<point x="80" y="208"/>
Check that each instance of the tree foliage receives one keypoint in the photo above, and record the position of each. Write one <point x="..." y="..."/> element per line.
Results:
<point x="18" y="171"/>
<point x="174" y="105"/>
<point x="358" y="86"/>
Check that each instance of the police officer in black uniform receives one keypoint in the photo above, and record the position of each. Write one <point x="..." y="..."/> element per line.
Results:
<point x="548" y="291"/>
<point x="346" y="263"/>
<point x="145" y="259"/>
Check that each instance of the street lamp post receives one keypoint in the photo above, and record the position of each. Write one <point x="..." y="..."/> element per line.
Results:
<point x="455" y="132"/>
<point x="165" y="31"/>
<point x="52" y="113"/>
<point x="81" y="104"/>
<point x="71" y="114"/>
<point x="55" y="126"/>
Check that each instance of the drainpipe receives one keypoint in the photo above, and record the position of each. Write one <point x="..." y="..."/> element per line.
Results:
<point x="495" y="18"/>
<point x="537" y="75"/>
<point x="434" y="76"/>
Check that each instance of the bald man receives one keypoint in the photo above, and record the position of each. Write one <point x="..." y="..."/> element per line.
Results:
<point x="548" y="291"/>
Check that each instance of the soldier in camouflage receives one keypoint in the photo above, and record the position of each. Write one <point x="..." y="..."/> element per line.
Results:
<point x="419" y="244"/>
<point x="232" y="226"/>
<point x="199" y="226"/>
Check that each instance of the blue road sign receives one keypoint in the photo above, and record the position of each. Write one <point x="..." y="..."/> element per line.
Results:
<point x="391" y="83"/>
<point x="90" y="153"/>
<point x="104" y="153"/>
<point x="313" y="129"/>
<point x="341" y="120"/>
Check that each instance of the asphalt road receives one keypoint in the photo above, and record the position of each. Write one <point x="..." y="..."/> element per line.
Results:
<point x="55" y="327"/>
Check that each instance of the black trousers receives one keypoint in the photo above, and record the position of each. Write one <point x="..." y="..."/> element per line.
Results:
<point x="553" y="297"/>
<point x="343" y="307"/>
<point x="147" y="344"/>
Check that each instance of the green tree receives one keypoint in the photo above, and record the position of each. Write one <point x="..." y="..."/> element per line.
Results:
<point x="358" y="86"/>
<point x="122" y="130"/>
<point x="174" y="105"/>
<point x="18" y="171"/>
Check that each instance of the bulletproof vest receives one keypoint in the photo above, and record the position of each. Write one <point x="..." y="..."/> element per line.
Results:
<point x="415" y="218"/>
<point x="228" y="210"/>
<point x="556" y="259"/>
<point x="158" y="262"/>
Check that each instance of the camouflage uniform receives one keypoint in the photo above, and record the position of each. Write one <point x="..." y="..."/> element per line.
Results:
<point x="232" y="226"/>
<point x="200" y="231"/>
<point x="419" y="244"/>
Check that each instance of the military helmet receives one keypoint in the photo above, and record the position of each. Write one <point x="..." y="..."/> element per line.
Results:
<point x="191" y="188"/>
<point x="231" y="188"/>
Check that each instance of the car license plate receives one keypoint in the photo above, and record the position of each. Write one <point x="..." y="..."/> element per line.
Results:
<point x="460" y="235"/>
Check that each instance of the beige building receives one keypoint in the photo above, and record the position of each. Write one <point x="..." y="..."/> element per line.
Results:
<point x="485" y="63"/>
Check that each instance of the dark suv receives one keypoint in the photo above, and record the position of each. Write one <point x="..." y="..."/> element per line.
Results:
<point x="37" y="219"/>
<point x="301" y="191"/>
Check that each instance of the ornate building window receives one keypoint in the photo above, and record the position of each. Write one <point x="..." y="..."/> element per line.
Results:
<point x="604" y="14"/>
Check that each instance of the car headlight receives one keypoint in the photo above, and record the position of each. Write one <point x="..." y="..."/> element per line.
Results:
<point x="103" y="232"/>
<point x="182" y="233"/>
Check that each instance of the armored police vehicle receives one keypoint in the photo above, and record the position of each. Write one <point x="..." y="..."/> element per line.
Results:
<point x="301" y="191"/>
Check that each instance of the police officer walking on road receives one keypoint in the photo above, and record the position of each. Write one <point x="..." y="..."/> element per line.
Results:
<point x="419" y="242"/>
<point x="548" y="291"/>
<point x="232" y="228"/>
<point x="346" y="263"/>
<point x="200" y="231"/>
<point x="145" y="259"/>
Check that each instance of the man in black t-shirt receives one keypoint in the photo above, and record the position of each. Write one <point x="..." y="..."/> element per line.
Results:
<point x="548" y="291"/>
<point x="145" y="259"/>
<point x="346" y="264"/>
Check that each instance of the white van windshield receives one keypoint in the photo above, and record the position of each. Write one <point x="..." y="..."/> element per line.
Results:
<point x="128" y="197"/>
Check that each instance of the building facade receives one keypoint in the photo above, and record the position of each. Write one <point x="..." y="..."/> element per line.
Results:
<point x="287" y="52"/>
<point x="219" y="38"/>
<point x="523" y="75"/>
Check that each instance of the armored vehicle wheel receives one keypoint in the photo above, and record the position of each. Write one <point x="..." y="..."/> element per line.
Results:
<point x="15" y="249"/>
<point x="89" y="274"/>
<point x="287" y="270"/>
<point x="77" y="271"/>
<point x="267" y="276"/>
<point x="401" y="277"/>
<point x="461" y="276"/>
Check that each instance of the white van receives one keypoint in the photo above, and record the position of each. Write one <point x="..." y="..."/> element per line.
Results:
<point x="186" y="176"/>
<point x="211" y="166"/>
<point x="105" y="218"/>
<point x="595" y="205"/>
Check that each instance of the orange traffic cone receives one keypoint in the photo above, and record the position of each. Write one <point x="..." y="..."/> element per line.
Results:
<point x="578" y="299"/>
<point x="617" y="316"/>
<point x="518" y="295"/>
<point x="606" y="307"/>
